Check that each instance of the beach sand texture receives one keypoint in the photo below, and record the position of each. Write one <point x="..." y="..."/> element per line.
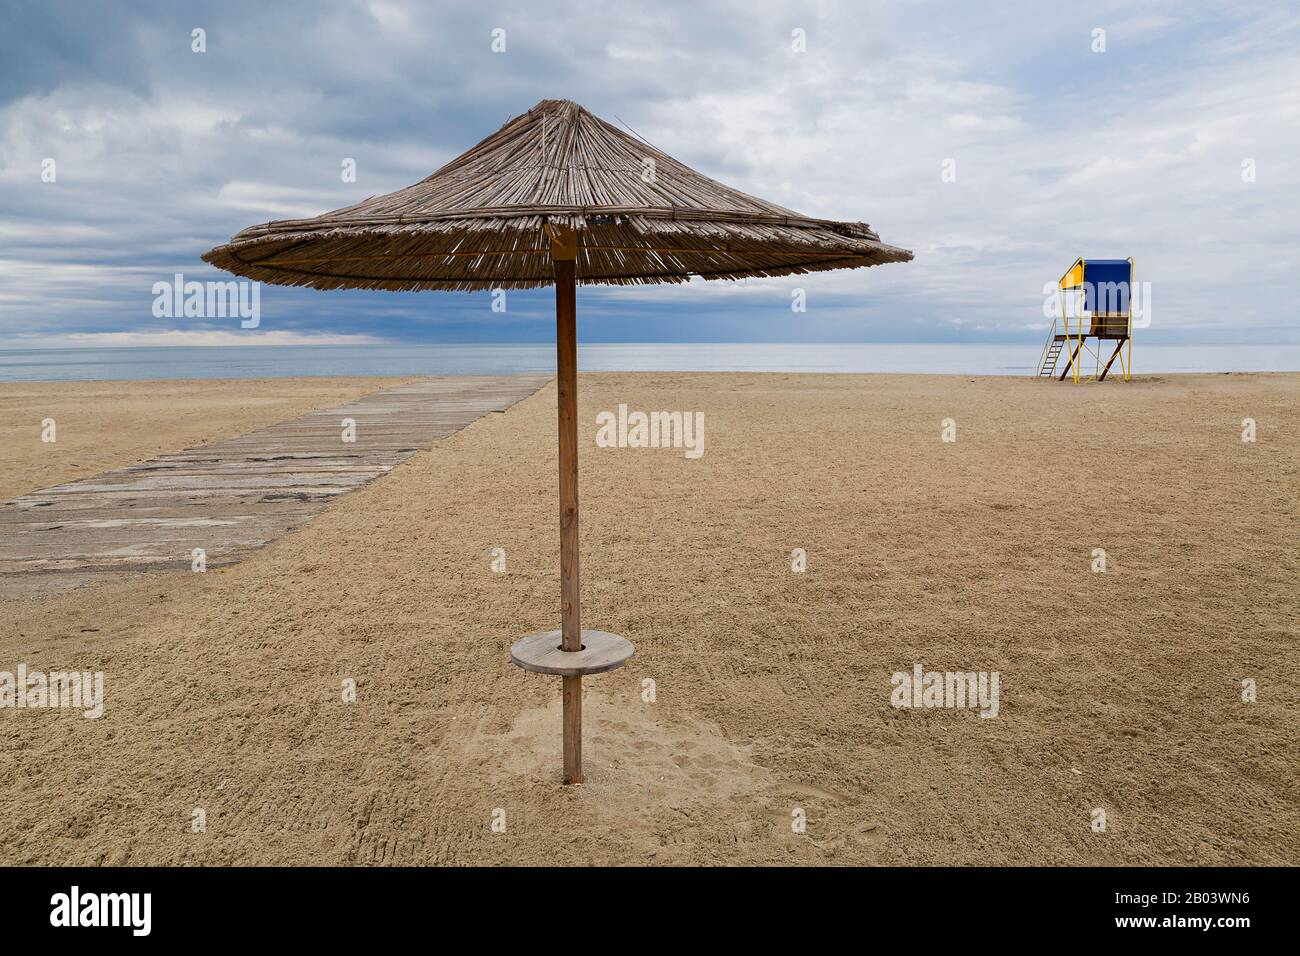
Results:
<point x="1120" y="691"/>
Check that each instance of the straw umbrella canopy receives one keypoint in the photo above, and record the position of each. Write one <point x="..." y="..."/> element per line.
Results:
<point x="557" y="196"/>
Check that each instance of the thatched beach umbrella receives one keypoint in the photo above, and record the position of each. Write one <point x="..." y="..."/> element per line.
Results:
<point x="558" y="196"/>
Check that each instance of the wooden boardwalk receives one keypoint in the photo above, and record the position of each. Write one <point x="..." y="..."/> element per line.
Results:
<point x="233" y="496"/>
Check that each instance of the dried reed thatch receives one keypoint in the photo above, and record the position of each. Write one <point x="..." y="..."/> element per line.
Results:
<point x="480" y="221"/>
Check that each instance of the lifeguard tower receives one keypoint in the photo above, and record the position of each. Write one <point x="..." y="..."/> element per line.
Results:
<point x="1099" y="294"/>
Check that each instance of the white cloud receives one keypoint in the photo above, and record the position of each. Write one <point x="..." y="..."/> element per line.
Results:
<point x="282" y="202"/>
<point x="994" y="124"/>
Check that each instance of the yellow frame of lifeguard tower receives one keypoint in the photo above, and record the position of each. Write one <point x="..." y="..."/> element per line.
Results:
<point x="1089" y="277"/>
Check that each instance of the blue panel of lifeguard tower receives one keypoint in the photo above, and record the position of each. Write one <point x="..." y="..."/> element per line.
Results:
<point x="1108" y="278"/>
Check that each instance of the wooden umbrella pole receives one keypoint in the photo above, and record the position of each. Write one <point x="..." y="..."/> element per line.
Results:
<point x="563" y="253"/>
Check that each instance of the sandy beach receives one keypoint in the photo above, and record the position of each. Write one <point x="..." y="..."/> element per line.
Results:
<point x="1119" y="691"/>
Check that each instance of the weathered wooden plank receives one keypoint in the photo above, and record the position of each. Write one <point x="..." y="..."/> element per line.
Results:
<point x="232" y="496"/>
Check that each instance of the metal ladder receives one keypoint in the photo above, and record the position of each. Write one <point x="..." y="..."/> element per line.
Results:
<point x="1052" y="351"/>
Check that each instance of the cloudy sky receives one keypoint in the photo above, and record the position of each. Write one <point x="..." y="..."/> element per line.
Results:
<point x="1176" y="145"/>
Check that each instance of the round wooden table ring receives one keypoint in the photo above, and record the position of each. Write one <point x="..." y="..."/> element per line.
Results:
<point x="601" y="651"/>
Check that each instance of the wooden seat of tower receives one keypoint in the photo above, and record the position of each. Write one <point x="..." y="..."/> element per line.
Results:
<point x="1110" y="325"/>
<point x="601" y="651"/>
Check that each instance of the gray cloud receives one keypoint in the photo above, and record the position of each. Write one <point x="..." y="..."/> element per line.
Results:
<point x="1059" y="152"/>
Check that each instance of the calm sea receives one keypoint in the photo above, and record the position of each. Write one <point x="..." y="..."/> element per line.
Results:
<point x="28" y="365"/>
